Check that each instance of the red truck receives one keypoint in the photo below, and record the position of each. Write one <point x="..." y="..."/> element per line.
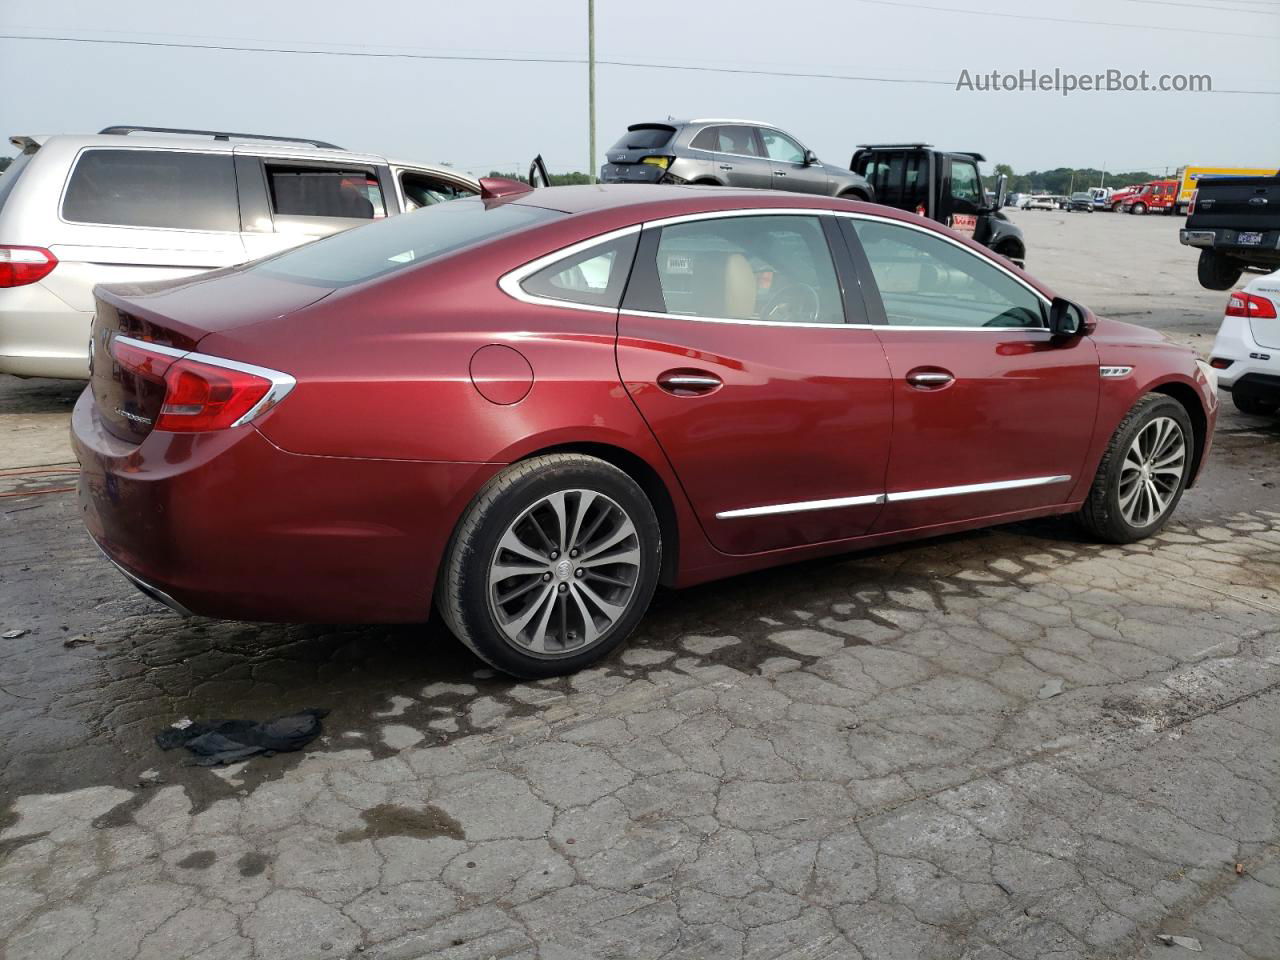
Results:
<point x="1158" y="195"/>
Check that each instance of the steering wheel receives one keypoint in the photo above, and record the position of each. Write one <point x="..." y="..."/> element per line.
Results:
<point x="793" y="303"/>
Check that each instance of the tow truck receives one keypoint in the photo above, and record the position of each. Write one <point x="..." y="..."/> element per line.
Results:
<point x="1158" y="196"/>
<point x="943" y="186"/>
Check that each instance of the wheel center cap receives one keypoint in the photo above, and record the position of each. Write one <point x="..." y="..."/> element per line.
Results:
<point x="564" y="569"/>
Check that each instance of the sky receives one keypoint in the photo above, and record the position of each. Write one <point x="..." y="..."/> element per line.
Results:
<point x="489" y="115"/>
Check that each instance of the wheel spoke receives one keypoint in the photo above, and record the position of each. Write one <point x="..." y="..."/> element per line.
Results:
<point x="515" y="626"/>
<point x="611" y="610"/>
<point x="505" y="571"/>
<point x="520" y="591"/>
<point x="517" y="546"/>
<point x="623" y="531"/>
<point x="629" y="557"/>
<point x="556" y="502"/>
<point x="589" y="632"/>
<point x="538" y="640"/>
<point x="585" y="500"/>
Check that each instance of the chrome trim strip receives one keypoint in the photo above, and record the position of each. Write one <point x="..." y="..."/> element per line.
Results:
<point x="281" y="383"/>
<point x="510" y="281"/>
<point x="802" y="506"/>
<point x="974" y="488"/>
<point x="1114" y="371"/>
<point x="152" y="593"/>
<point x="690" y="381"/>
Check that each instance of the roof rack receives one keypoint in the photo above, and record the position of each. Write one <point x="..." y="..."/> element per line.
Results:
<point x="893" y="146"/>
<point x="218" y="135"/>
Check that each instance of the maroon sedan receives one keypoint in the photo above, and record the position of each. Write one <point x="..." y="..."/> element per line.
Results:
<point x="532" y="407"/>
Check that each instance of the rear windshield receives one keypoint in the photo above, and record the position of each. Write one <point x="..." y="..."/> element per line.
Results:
<point x="404" y="241"/>
<point x="170" y="189"/>
<point x="11" y="174"/>
<point x="645" y="138"/>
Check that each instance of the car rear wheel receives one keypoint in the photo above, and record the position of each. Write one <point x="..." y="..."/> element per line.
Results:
<point x="1248" y="403"/>
<point x="552" y="566"/>
<point x="1138" y="209"/>
<point x="1217" y="272"/>
<point x="1143" y="472"/>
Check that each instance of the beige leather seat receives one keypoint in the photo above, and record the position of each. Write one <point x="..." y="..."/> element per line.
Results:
<point x="739" y="287"/>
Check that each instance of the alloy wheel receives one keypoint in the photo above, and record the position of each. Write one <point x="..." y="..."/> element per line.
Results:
<point x="564" y="573"/>
<point x="1151" y="472"/>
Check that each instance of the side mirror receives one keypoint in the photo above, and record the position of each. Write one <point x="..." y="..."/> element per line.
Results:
<point x="1066" y="319"/>
<point x="810" y="158"/>
<point x="1002" y="184"/>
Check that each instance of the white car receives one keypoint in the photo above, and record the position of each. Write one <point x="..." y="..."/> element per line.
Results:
<point x="1246" y="353"/>
<point x="132" y="204"/>
<point x="1039" y="203"/>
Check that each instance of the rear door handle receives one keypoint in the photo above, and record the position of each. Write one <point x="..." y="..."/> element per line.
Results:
<point x="726" y="166"/>
<point x="689" y="383"/>
<point x="930" y="379"/>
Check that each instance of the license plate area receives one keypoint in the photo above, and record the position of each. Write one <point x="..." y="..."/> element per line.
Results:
<point x="1249" y="239"/>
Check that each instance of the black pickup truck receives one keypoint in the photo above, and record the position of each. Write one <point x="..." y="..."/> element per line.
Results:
<point x="941" y="186"/>
<point x="1235" y="221"/>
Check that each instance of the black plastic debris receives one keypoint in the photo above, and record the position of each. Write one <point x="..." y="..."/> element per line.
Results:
<point x="229" y="741"/>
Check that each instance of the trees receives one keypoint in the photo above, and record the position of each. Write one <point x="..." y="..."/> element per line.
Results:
<point x="557" y="179"/>
<point x="1062" y="180"/>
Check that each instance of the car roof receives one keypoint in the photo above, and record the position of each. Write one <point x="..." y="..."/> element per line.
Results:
<point x="598" y="197"/>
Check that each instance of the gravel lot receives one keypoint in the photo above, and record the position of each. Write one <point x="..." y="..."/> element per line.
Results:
<point x="1002" y="744"/>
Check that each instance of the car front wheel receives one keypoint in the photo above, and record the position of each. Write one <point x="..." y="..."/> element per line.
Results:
<point x="1143" y="472"/>
<point x="552" y="565"/>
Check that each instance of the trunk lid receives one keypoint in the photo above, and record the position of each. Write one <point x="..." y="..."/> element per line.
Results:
<point x="174" y="315"/>
<point x="625" y="159"/>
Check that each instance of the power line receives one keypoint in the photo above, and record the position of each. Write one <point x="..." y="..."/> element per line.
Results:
<point x="479" y="58"/>
<point x="1216" y="9"/>
<point x="1068" y="20"/>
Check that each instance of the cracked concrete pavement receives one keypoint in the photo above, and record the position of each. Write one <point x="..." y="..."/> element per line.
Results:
<point x="1006" y="744"/>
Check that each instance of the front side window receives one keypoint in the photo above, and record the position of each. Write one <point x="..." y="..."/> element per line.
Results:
<point x="396" y="243"/>
<point x="595" y="276"/>
<point x="770" y="268"/>
<point x="964" y="184"/>
<point x="780" y="147"/>
<point x="300" y="191"/>
<point x="424" y="190"/>
<point x="154" y="188"/>
<point x="926" y="281"/>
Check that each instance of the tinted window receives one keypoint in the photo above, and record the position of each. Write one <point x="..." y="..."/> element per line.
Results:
<point x="424" y="190"/>
<point x="595" y="276"/>
<point x="739" y="140"/>
<point x="926" y="281"/>
<point x="153" y="188"/>
<point x="775" y="268"/>
<point x="644" y="138"/>
<point x="780" y="147"/>
<point x="398" y="242"/>
<point x="707" y="139"/>
<point x="900" y="178"/>
<point x="324" y="192"/>
<point x="11" y="174"/>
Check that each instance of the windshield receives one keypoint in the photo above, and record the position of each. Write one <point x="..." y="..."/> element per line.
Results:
<point x="410" y="239"/>
<point x="644" y="138"/>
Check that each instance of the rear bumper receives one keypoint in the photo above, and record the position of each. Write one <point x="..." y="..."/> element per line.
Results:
<point x="1236" y="342"/>
<point x="228" y="525"/>
<point x="41" y="335"/>
<point x="1227" y="241"/>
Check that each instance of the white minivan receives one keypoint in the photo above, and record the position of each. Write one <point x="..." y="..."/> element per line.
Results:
<point x="132" y="204"/>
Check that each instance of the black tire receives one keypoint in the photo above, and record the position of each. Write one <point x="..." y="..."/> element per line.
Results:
<point x="1217" y="272"/>
<point x="463" y="591"/>
<point x="853" y="195"/>
<point x="1101" y="515"/>
<point x="1253" y="404"/>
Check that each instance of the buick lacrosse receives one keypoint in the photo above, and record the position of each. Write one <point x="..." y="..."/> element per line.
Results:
<point x="532" y="407"/>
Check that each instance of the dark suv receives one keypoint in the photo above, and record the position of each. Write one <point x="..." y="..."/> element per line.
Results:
<point x="726" y="153"/>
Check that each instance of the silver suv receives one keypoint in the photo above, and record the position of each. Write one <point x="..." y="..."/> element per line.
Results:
<point x="146" y="203"/>
<point x="727" y="153"/>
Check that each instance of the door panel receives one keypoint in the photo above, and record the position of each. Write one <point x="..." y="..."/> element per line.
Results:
<point x="991" y="414"/>
<point x="1020" y="408"/>
<point x="773" y="411"/>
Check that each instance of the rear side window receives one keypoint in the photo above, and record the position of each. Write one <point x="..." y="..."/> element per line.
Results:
<point x="10" y="176"/>
<point x="645" y="137"/>
<point x="424" y="190"/>
<point x="900" y="179"/>
<point x="153" y="188"/>
<point x="595" y="276"/>
<point x="298" y="191"/>
<point x="399" y="242"/>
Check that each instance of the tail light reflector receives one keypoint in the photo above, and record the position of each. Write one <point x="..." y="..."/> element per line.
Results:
<point x="1248" y="305"/>
<point x="202" y="393"/>
<point x="20" y="266"/>
<point x="1191" y="207"/>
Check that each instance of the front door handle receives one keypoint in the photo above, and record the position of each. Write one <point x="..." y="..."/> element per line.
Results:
<point x="726" y="166"/>
<point x="779" y="173"/>
<point x="931" y="379"/>
<point x="689" y="383"/>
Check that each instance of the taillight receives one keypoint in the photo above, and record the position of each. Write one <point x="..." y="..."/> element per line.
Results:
<point x="202" y="393"/>
<point x="1191" y="207"/>
<point x="1248" y="305"/>
<point x="20" y="266"/>
<point x="660" y="162"/>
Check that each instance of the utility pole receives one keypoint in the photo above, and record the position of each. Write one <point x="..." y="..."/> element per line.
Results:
<point x="1102" y="182"/>
<point x="591" y="86"/>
